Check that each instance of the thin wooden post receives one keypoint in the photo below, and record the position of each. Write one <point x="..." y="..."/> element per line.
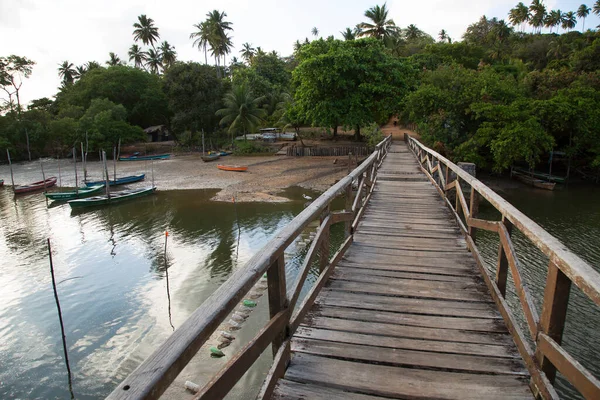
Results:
<point x="12" y="177"/>
<point x="75" y="166"/>
<point x="473" y="210"/>
<point x="59" y="173"/>
<point x="278" y="300"/>
<point x="502" y="267"/>
<point x="83" y="155"/>
<point x="107" y="188"/>
<point x="324" y="249"/>
<point x="457" y="206"/>
<point x="554" y="313"/>
<point x="348" y="208"/>
<point x="43" y="175"/>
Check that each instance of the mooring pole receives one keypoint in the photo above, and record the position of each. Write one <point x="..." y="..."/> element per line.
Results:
<point x="103" y="154"/>
<point x="75" y="163"/>
<point x="167" y="276"/>
<point x="43" y="175"/>
<point x="59" y="173"/>
<point x="12" y="178"/>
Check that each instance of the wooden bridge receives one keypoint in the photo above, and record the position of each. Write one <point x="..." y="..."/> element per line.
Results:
<point x="405" y="307"/>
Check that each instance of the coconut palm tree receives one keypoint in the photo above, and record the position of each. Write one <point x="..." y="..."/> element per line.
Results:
<point x="247" y="52"/>
<point x="596" y="9"/>
<point x="553" y="18"/>
<point x="519" y="15"/>
<point x="380" y="26"/>
<point x="242" y="110"/>
<point x="314" y="31"/>
<point x="137" y="56"/>
<point x="201" y="37"/>
<point x="260" y="52"/>
<point x="218" y="40"/>
<point x="569" y="21"/>
<point x="169" y="55"/>
<point x="349" y="34"/>
<point x="582" y="12"/>
<point x="113" y="60"/>
<point x="90" y="65"/>
<point x="297" y="45"/>
<point x="443" y="35"/>
<point x="154" y="61"/>
<point x="412" y="32"/>
<point x="145" y="31"/>
<point x="67" y="72"/>
<point x="538" y="14"/>
<point x="502" y="31"/>
<point x="80" y="71"/>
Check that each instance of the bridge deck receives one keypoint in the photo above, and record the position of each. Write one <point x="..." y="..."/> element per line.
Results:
<point x="406" y="313"/>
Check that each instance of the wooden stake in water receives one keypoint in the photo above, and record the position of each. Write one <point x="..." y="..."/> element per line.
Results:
<point x="167" y="276"/>
<point x="119" y="149"/>
<point x="60" y="319"/>
<point x="27" y="137"/>
<point x="152" y="173"/>
<point x="106" y="175"/>
<point x="43" y="174"/>
<point x="115" y="163"/>
<point x="75" y="164"/>
<point x="59" y="173"/>
<point x="203" y="153"/>
<point x="83" y="162"/>
<point x="12" y="178"/>
<point x="237" y="222"/>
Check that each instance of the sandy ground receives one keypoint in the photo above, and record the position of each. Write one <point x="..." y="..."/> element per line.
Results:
<point x="265" y="178"/>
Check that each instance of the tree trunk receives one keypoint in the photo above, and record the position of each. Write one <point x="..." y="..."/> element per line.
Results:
<point x="335" y="128"/>
<point x="357" y="133"/>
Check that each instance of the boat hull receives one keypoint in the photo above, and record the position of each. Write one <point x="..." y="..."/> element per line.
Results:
<point x="538" y="183"/>
<point x="145" y="158"/>
<point x="211" y="157"/>
<point x="236" y="168"/>
<point x="115" y="197"/>
<point x="36" y="186"/>
<point x="1" y="182"/>
<point x="120" y="181"/>
<point x="75" y="194"/>
<point x="540" y="175"/>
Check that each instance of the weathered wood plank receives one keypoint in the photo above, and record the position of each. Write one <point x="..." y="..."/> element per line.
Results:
<point x="289" y="390"/>
<point x="454" y="269"/>
<point x="360" y="274"/>
<point x="399" y="382"/>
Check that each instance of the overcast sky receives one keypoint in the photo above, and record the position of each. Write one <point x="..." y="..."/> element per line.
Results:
<point x="51" y="31"/>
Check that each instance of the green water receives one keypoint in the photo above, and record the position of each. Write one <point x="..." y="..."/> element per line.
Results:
<point x="110" y="266"/>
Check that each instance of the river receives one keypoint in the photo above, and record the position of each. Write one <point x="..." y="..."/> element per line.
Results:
<point x="110" y="269"/>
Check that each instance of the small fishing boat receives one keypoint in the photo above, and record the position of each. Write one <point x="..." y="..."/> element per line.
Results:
<point x="35" y="186"/>
<point x="1" y="182"/>
<point x="287" y="136"/>
<point x="211" y="157"/>
<point x="225" y="153"/>
<point x="540" y="175"/>
<point x="119" y="181"/>
<point x="74" y="194"/>
<point x="136" y="157"/>
<point x="538" y="183"/>
<point x="114" y="197"/>
<point x="237" y="168"/>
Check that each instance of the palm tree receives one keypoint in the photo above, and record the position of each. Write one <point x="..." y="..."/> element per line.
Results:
<point x="412" y="32"/>
<point x="90" y="65"/>
<point x="145" y="31"/>
<point x="582" y="12"/>
<point x="201" y="37"/>
<point x="80" y="71"/>
<point x="315" y="31"/>
<point x="443" y="35"/>
<point x="67" y="72"/>
<point x="247" y="52"/>
<point x="349" y="34"/>
<point x="519" y="15"/>
<point x="380" y="26"/>
<point x="554" y="18"/>
<point x="113" y="59"/>
<point x="154" y="61"/>
<point x="297" y="45"/>
<point x="569" y="21"/>
<point x="502" y="31"/>
<point x="597" y="7"/>
<point x="261" y="53"/>
<point x="218" y="40"/>
<point x="169" y="55"/>
<point x="538" y="12"/>
<point x="242" y="110"/>
<point x="137" y="56"/>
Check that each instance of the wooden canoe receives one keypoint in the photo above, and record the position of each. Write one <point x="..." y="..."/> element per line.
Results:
<point x="74" y="194"/>
<point x="237" y="168"/>
<point x="538" y="183"/>
<point x="1" y="182"/>
<point x="145" y="158"/>
<point x="211" y="157"/>
<point x="41" y="185"/>
<point x="115" y="197"/>
<point x="119" y="181"/>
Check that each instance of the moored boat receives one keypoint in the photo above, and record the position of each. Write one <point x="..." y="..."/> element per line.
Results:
<point x="237" y="168"/>
<point x="538" y="183"/>
<point x="114" y="197"/>
<point x="224" y="153"/>
<point x="135" y="157"/>
<point x="74" y="194"/>
<point x="211" y="157"/>
<point x="35" y="186"/>
<point x="540" y="175"/>
<point x="1" y="182"/>
<point x="119" y="181"/>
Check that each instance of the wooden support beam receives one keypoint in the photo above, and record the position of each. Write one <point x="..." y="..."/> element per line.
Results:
<point x="554" y="313"/>
<point x="237" y="366"/>
<point x="587" y="384"/>
<point x="278" y="301"/>
<point x="277" y="370"/>
<point x="324" y="247"/>
<point x="348" y="210"/>
<point x="460" y="197"/>
<point x="491" y="226"/>
<point x="502" y="266"/>
<point x="473" y="211"/>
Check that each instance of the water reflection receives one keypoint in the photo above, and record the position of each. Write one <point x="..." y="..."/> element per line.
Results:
<point x="111" y="267"/>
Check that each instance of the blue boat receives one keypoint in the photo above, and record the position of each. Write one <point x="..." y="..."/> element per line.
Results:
<point x="136" y="157"/>
<point x="119" y="181"/>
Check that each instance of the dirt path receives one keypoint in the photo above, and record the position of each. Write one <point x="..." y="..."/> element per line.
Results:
<point x="397" y="131"/>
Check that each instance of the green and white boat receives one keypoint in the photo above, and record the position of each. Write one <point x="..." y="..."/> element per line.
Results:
<point x="112" y="197"/>
<point x="74" y="194"/>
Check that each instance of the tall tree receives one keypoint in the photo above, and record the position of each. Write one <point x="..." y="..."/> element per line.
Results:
<point x="569" y="21"/>
<point x="519" y="15"/>
<point x="137" y="56"/>
<point x="597" y="7"/>
<point x="13" y="71"/>
<point x="247" y="52"/>
<point x="146" y="31"/>
<point x="553" y="19"/>
<point x="582" y="12"/>
<point x="242" y="111"/>
<point x="201" y="38"/>
<point x="67" y="72"/>
<point x="154" y="61"/>
<point x="168" y="53"/>
<point x="379" y="27"/>
<point x="443" y="35"/>
<point x="412" y="32"/>
<point x="314" y="31"/>
<point x="218" y="39"/>
<point x="349" y="34"/>
<point x="113" y="59"/>
<point x="538" y="14"/>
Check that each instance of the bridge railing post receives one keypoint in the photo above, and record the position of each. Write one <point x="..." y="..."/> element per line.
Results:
<point x="324" y="248"/>
<point x="278" y="300"/>
<point x="502" y="265"/>
<point x="473" y="211"/>
<point x="554" y="313"/>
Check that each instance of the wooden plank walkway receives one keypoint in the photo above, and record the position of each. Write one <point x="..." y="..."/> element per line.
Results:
<point x="406" y="314"/>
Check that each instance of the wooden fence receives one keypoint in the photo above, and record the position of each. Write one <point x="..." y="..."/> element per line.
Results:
<point x="337" y="151"/>
<point x="159" y="370"/>
<point x="565" y="268"/>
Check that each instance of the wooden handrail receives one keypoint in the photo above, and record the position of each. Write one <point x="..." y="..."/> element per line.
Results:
<point x="564" y="268"/>
<point x="161" y="368"/>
